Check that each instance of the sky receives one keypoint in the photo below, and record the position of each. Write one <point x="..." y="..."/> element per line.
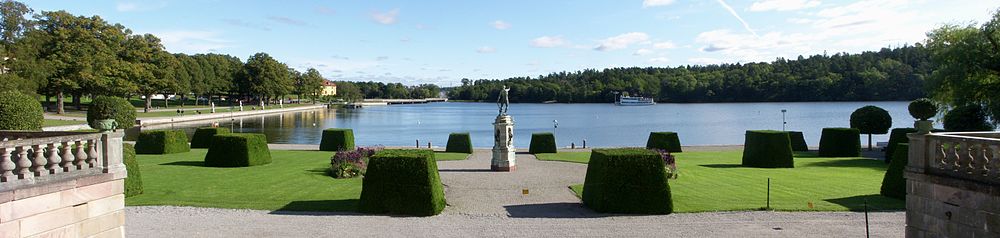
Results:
<point x="441" y="42"/>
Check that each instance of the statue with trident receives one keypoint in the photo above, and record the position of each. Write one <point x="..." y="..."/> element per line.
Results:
<point x="503" y="100"/>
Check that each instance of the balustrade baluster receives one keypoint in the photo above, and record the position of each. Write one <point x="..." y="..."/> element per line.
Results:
<point x="994" y="162"/>
<point x="23" y="163"/>
<point x="6" y="166"/>
<point x="953" y="164"/>
<point x="68" y="156"/>
<point x="939" y="155"/>
<point x="55" y="162"/>
<point x="81" y="155"/>
<point x="38" y="161"/>
<point x="92" y="152"/>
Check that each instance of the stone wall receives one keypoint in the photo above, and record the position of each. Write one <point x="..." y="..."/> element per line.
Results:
<point x="952" y="193"/>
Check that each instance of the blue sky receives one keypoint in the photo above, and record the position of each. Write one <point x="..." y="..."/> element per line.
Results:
<point x="442" y="42"/>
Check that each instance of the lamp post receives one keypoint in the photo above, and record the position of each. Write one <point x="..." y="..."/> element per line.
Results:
<point x="783" y="122"/>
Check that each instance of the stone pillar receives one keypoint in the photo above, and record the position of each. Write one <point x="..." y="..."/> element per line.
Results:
<point x="241" y="106"/>
<point x="503" y="144"/>
<point x="213" y="106"/>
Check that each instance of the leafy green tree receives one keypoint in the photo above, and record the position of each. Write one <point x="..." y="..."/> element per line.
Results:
<point x="348" y="91"/>
<point x="266" y="78"/>
<point x="150" y="67"/>
<point x="12" y="27"/>
<point x="871" y="120"/>
<point x="310" y="84"/>
<point x="967" y="70"/>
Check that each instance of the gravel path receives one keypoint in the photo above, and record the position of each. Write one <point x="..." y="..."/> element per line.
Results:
<point x="485" y="203"/>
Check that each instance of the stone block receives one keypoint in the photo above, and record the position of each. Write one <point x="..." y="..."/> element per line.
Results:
<point x="94" y="179"/>
<point x="6" y="196"/>
<point x="96" y="225"/>
<point x="47" y="188"/>
<point x="18" y="209"/>
<point x="43" y="222"/>
<point x="106" y="205"/>
<point x="92" y="192"/>
<point x="66" y="231"/>
<point x="118" y="232"/>
<point x="10" y="229"/>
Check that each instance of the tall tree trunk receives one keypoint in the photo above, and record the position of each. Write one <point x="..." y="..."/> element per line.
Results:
<point x="196" y="100"/>
<point x="166" y="104"/>
<point x="59" y="103"/>
<point x="76" y="100"/>
<point x="184" y="99"/>
<point x="149" y="103"/>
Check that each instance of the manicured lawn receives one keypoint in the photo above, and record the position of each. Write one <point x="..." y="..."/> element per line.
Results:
<point x="442" y="156"/>
<point x="52" y="122"/>
<point x="294" y="181"/>
<point x="714" y="181"/>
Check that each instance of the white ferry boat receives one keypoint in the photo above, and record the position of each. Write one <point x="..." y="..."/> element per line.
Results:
<point x="634" y="101"/>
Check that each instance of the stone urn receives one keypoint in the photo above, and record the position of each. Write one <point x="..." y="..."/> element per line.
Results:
<point x="923" y="126"/>
<point x="106" y="125"/>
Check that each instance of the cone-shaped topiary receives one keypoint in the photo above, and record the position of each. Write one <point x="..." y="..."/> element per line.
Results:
<point x="767" y="149"/>
<point x="20" y="112"/>
<point x="896" y="137"/>
<point x="202" y="137"/>
<point x="840" y="142"/>
<point x="893" y="184"/>
<point x="107" y="107"/>
<point x="238" y="150"/>
<point x="161" y="142"/>
<point x="666" y="140"/>
<point x="798" y="141"/>
<point x="459" y="143"/>
<point x="628" y="180"/>
<point x="542" y="143"/>
<point x="337" y="139"/>
<point x="402" y="182"/>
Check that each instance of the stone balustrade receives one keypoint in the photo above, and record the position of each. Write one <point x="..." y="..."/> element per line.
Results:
<point x="972" y="156"/>
<point x="28" y="158"/>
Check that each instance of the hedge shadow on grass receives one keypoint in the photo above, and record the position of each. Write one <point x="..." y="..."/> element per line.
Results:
<point x="876" y="202"/>
<point x="463" y="170"/>
<point x="851" y="163"/>
<point x="320" y="207"/>
<point x="554" y="210"/>
<point x="722" y="166"/>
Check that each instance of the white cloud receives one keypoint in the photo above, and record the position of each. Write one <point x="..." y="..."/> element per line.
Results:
<point x="622" y="41"/>
<point x="139" y="6"/>
<point x="656" y="3"/>
<point x="742" y="47"/>
<point x="664" y="45"/>
<point x="192" y="42"/>
<point x="548" y="41"/>
<point x="642" y="52"/>
<point x="501" y="25"/>
<point x="659" y="60"/>
<point x="782" y="5"/>
<point x="733" y="12"/>
<point x="386" y="18"/>
<point x="486" y="50"/>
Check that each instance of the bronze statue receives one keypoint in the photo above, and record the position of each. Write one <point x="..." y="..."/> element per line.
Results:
<point x="503" y="100"/>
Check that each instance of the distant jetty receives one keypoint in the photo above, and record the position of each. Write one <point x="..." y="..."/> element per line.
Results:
<point x="384" y="102"/>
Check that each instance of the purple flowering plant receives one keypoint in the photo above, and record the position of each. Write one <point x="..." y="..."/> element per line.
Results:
<point x="351" y="163"/>
<point x="670" y="163"/>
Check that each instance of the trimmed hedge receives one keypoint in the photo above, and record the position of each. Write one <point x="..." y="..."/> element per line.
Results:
<point x="133" y="183"/>
<point x="896" y="137"/>
<point x="767" y="149"/>
<point x="666" y="140"/>
<point x="402" y="182"/>
<point x="460" y="143"/>
<point x="337" y="139"/>
<point x="627" y="180"/>
<point x="161" y="142"/>
<point x="840" y="142"/>
<point x="893" y="184"/>
<point x="20" y="112"/>
<point x="107" y="107"/>
<point x="238" y="150"/>
<point x="202" y="137"/>
<point x="798" y="141"/>
<point x="542" y="143"/>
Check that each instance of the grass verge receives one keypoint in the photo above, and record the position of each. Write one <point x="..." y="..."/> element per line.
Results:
<point x="444" y="156"/>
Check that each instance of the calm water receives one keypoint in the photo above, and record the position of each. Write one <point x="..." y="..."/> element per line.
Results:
<point x="601" y="125"/>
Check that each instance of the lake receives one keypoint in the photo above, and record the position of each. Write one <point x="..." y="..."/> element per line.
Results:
<point x="601" y="125"/>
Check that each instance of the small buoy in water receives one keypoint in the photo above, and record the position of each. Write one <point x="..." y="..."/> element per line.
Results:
<point x="314" y="124"/>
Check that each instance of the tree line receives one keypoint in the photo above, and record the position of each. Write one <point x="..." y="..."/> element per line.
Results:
<point x="58" y="54"/>
<point x="888" y="74"/>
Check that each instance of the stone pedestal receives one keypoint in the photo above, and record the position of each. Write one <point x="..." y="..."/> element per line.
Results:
<point x="503" y="144"/>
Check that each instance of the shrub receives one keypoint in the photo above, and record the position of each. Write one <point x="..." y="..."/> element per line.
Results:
<point x="628" y="180"/>
<point x="402" y="182"/>
<point x="665" y="141"/>
<point x="969" y="117"/>
<point x="133" y="183"/>
<point x="238" y="150"/>
<point x="202" y="137"/>
<point x="893" y="184"/>
<point x="542" y="143"/>
<point x="161" y="142"/>
<point x="896" y="137"/>
<point x="840" y="142"/>
<point x="922" y="109"/>
<point x="767" y="149"/>
<point x="351" y="163"/>
<point x="871" y="120"/>
<point x="459" y="142"/>
<point x="337" y="139"/>
<point x="107" y="107"/>
<point x="20" y="112"/>
<point x="798" y="141"/>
